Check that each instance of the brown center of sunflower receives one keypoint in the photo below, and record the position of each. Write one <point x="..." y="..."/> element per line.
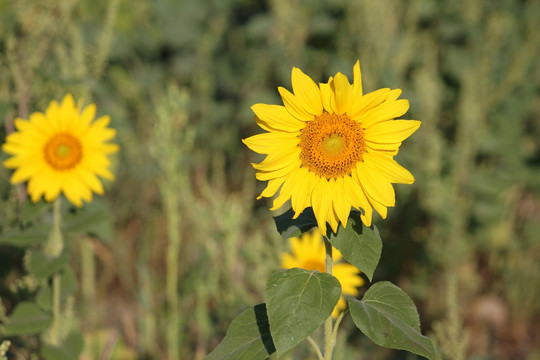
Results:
<point x="312" y="264"/>
<point x="331" y="145"/>
<point x="63" y="151"/>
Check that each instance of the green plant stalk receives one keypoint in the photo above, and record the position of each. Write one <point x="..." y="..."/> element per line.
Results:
<point x="173" y="248"/>
<point x="88" y="271"/>
<point x="54" y="247"/>
<point x="329" y="340"/>
<point x="315" y="347"/>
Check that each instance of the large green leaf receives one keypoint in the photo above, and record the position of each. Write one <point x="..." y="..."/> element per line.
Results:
<point x="298" y="301"/>
<point x="94" y="218"/>
<point x="289" y="227"/>
<point x="42" y="266"/>
<point x="360" y="245"/>
<point x="70" y="349"/>
<point x="389" y="318"/>
<point x="26" y="318"/>
<point x="248" y="337"/>
<point x="21" y="238"/>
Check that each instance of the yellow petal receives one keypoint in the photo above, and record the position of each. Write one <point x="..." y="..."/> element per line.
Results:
<point x="384" y="163"/>
<point x="390" y="148"/>
<point x="367" y="102"/>
<point x="268" y="142"/>
<point x="286" y="190"/>
<point x="357" y="83"/>
<point x="307" y="92"/>
<point x="357" y="196"/>
<point x="294" y="106"/>
<point x="394" y="94"/>
<point x="267" y="175"/>
<point x="327" y="96"/>
<point x="301" y="194"/>
<point x="276" y="117"/>
<point x="385" y="111"/>
<point x="321" y="203"/>
<point x="381" y="209"/>
<point x="271" y="188"/>
<point x="343" y="94"/>
<point x="375" y="184"/>
<point x="279" y="162"/>
<point x="394" y="131"/>
<point x="341" y="203"/>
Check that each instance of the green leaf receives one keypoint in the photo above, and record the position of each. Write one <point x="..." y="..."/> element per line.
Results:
<point x="70" y="349"/>
<point x="389" y="318"/>
<point x="23" y="238"/>
<point x="94" y="218"/>
<point x="298" y="301"/>
<point x="42" y="266"/>
<point x="248" y="337"/>
<point x="360" y="245"/>
<point x="289" y="227"/>
<point x="26" y="318"/>
<point x="31" y="210"/>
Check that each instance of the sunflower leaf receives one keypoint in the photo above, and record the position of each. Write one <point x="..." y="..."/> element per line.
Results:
<point x="359" y="244"/>
<point x="26" y="318"/>
<point x="248" y="337"/>
<point x="289" y="227"/>
<point x="298" y="302"/>
<point x="389" y="318"/>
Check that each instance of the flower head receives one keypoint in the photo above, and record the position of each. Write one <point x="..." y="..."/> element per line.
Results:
<point x="61" y="150"/>
<point x="331" y="147"/>
<point x="308" y="253"/>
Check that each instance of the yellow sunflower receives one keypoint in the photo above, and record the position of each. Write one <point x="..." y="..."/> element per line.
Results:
<point x="308" y="253"/>
<point x="331" y="147"/>
<point x="61" y="150"/>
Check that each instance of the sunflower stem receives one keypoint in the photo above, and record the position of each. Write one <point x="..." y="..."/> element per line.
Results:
<point x="329" y="340"/>
<point x="315" y="347"/>
<point x="54" y="247"/>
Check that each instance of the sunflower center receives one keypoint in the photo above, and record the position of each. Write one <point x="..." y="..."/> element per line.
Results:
<point x="63" y="151"/>
<point x="312" y="264"/>
<point x="331" y="145"/>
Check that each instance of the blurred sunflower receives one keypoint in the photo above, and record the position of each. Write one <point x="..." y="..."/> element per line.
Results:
<point x="331" y="147"/>
<point x="61" y="150"/>
<point x="308" y="253"/>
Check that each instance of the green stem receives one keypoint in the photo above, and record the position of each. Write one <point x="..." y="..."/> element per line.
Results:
<point x="315" y="347"/>
<point x="53" y="248"/>
<point x="173" y="249"/>
<point x="55" y="329"/>
<point x="328" y="338"/>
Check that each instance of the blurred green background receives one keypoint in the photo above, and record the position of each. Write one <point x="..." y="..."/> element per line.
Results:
<point x="178" y="79"/>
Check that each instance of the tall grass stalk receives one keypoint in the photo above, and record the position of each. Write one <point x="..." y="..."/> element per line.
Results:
<point x="168" y="146"/>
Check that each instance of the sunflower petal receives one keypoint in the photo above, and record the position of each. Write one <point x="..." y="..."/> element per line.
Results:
<point x="385" y="111"/>
<point x="307" y="92"/>
<point x="384" y="163"/>
<point x="376" y="185"/>
<point x="394" y="131"/>
<point x="276" y="117"/>
<point x="343" y="94"/>
<point x="294" y="106"/>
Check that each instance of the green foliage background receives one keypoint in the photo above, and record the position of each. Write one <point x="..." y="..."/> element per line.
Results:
<point x="462" y="241"/>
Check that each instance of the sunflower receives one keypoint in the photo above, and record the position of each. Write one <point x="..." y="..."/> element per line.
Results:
<point x="308" y="253"/>
<point x="61" y="150"/>
<point x="331" y="147"/>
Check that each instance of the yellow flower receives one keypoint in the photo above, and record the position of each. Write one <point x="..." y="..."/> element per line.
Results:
<point x="61" y="150"/>
<point x="308" y="253"/>
<point x="331" y="148"/>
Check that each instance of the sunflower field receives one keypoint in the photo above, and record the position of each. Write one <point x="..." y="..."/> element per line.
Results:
<point x="281" y="179"/>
